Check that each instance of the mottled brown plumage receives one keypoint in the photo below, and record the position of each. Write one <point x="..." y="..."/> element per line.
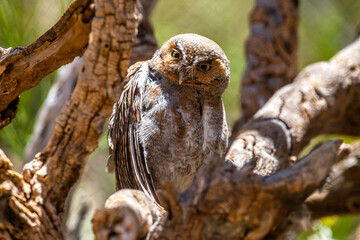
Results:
<point x="170" y="116"/>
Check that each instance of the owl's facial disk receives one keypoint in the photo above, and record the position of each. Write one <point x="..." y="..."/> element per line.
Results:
<point x="193" y="60"/>
<point x="190" y="68"/>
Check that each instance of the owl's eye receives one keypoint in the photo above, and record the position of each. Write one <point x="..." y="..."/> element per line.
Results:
<point x="176" y="54"/>
<point x="205" y="67"/>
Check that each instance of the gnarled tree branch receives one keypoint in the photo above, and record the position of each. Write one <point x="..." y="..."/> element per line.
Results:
<point x="225" y="203"/>
<point x="270" y="52"/>
<point x="322" y="99"/>
<point x="143" y="48"/>
<point x="341" y="192"/>
<point x="22" y="68"/>
<point x="36" y="198"/>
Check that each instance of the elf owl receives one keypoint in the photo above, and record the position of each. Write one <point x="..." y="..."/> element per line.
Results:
<point x="170" y="117"/>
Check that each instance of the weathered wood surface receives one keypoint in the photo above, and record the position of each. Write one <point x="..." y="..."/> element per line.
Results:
<point x="33" y="203"/>
<point x="271" y="54"/>
<point x="22" y="68"/>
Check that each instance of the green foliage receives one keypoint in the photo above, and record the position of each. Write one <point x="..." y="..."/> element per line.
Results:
<point x="332" y="228"/>
<point x="13" y="18"/>
<point x="326" y="26"/>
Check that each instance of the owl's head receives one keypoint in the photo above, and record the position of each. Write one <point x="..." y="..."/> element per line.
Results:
<point x="193" y="60"/>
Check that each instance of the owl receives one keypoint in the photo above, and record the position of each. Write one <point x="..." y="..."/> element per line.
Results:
<point x="170" y="117"/>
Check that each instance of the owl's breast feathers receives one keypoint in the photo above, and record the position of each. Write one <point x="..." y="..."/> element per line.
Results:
<point x="161" y="132"/>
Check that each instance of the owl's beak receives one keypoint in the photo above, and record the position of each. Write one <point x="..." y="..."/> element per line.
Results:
<point x="184" y="75"/>
<point x="182" y="79"/>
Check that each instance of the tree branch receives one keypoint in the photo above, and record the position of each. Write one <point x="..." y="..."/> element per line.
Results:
<point x="322" y="99"/>
<point x="143" y="48"/>
<point x="341" y="192"/>
<point x="37" y="197"/>
<point x="225" y="203"/>
<point x="270" y="52"/>
<point x="23" y="68"/>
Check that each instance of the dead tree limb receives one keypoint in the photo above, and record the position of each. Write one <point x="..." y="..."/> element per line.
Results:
<point x="341" y="192"/>
<point x="270" y="52"/>
<point x="322" y="99"/>
<point x="23" y="68"/>
<point x="33" y="203"/>
<point x="339" y="195"/>
<point x="225" y="203"/>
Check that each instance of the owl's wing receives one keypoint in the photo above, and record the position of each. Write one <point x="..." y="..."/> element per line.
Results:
<point x="126" y="151"/>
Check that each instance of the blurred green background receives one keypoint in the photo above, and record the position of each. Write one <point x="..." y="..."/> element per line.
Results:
<point x="326" y="26"/>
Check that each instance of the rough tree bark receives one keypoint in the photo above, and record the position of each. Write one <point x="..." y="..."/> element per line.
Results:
<point x="270" y="52"/>
<point x="143" y="48"/>
<point x="23" y="68"/>
<point x="32" y="204"/>
<point x="254" y="194"/>
<point x="341" y="192"/>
